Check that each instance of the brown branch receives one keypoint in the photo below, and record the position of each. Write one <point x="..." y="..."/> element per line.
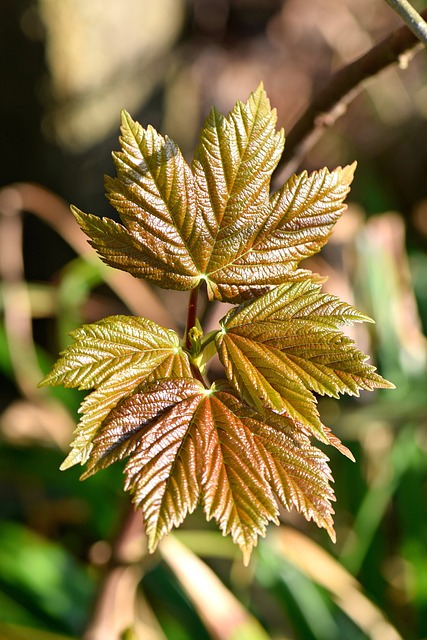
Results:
<point x="332" y="99"/>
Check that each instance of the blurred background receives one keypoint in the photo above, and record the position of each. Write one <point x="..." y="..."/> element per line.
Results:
<point x="67" y="67"/>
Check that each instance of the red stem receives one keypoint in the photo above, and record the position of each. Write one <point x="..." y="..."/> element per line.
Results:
<point x="191" y="314"/>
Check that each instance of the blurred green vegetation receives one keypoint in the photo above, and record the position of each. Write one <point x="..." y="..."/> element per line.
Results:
<point x="55" y="532"/>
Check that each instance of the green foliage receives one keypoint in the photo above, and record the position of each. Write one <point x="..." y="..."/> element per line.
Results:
<point x="44" y="584"/>
<point x="233" y="445"/>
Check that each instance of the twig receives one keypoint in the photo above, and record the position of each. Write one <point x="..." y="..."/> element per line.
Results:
<point x="412" y="18"/>
<point x="332" y="99"/>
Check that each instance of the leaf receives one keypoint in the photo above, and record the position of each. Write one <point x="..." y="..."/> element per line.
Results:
<point x="155" y="197"/>
<point x="297" y="471"/>
<point x="155" y="428"/>
<point x="235" y="492"/>
<point x="186" y="444"/>
<point x="119" y="249"/>
<point x="300" y="219"/>
<point x="302" y="216"/>
<point x="215" y="222"/>
<point x="183" y="445"/>
<point x="281" y="347"/>
<point x="232" y="168"/>
<point x="114" y="356"/>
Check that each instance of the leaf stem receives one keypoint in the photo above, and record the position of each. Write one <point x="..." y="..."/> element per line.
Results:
<point x="191" y="322"/>
<point x="191" y="314"/>
<point x="198" y="375"/>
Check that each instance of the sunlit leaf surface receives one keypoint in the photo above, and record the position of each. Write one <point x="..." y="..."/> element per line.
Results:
<point x="215" y="222"/>
<point x="114" y="356"/>
<point x="282" y="346"/>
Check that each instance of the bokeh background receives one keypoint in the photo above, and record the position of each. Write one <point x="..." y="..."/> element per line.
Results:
<point x="67" y="67"/>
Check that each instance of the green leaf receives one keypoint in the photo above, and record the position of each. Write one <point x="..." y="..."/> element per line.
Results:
<point x="114" y="356"/>
<point x="215" y="222"/>
<point x="278" y="349"/>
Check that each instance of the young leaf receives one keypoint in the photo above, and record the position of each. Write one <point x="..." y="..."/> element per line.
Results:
<point x="154" y="195"/>
<point x="232" y="168"/>
<point x="185" y="444"/>
<point x="282" y="346"/>
<point x="157" y="430"/>
<point x="302" y="216"/>
<point x="215" y="222"/>
<point x="114" y="356"/>
<point x="299" y="221"/>
<point x="298" y="472"/>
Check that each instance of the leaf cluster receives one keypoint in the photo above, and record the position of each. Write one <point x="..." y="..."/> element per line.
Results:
<point x="240" y="445"/>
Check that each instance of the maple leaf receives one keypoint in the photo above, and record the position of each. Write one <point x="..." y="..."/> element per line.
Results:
<point x="215" y="222"/>
<point x="297" y="471"/>
<point x="282" y="346"/>
<point x="240" y="445"/>
<point x="186" y="444"/>
<point x="114" y="356"/>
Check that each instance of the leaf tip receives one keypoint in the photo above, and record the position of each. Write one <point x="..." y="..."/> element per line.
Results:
<point x="78" y="215"/>
<point x="332" y="534"/>
<point x="352" y="167"/>
<point x="152" y="540"/>
<point x="125" y="117"/>
<point x="68" y="463"/>
<point x="260" y="91"/>
<point x="246" y="553"/>
<point x="386" y="384"/>
<point x="334" y="441"/>
<point x="347" y="172"/>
